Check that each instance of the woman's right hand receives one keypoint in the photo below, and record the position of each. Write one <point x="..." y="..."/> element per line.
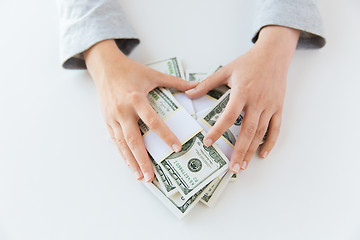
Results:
<point x="123" y="86"/>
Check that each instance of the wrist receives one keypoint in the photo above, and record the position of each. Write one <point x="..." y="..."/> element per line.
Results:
<point x="102" y="59"/>
<point x="278" y="42"/>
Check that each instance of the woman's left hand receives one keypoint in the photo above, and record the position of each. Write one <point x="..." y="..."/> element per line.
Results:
<point x="258" y="81"/>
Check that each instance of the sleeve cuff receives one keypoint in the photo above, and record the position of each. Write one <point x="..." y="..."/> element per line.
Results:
<point x="85" y="24"/>
<point x="303" y="16"/>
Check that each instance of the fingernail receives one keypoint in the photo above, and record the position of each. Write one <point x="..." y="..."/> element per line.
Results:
<point x="236" y="168"/>
<point x="208" y="142"/>
<point x="243" y="165"/>
<point x="176" y="147"/>
<point x="190" y="91"/>
<point x="265" y="154"/>
<point x="147" y="176"/>
<point x="137" y="175"/>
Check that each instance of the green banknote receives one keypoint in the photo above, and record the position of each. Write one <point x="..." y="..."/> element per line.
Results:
<point x="213" y="115"/>
<point x="195" y="165"/>
<point x="175" y="203"/>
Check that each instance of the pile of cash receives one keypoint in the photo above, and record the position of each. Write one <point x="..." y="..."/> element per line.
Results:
<point x="197" y="173"/>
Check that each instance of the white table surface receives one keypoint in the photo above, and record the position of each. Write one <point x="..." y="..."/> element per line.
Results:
<point x="61" y="179"/>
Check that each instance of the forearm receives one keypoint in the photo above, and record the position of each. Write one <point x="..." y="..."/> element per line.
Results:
<point x="278" y="43"/>
<point x="102" y="58"/>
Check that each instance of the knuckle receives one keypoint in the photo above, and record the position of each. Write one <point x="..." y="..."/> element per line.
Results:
<point x="121" y="142"/>
<point x="262" y="98"/>
<point x="240" y="153"/>
<point x="178" y="80"/>
<point x="135" y="97"/>
<point x="132" y="141"/>
<point x="217" y="132"/>
<point x="144" y="164"/>
<point x="117" y="106"/>
<point x="250" y="130"/>
<point x="204" y="83"/>
<point x="230" y="117"/>
<point x="168" y="137"/>
<point x="260" y="132"/>
<point x="154" y="122"/>
<point x="119" y="111"/>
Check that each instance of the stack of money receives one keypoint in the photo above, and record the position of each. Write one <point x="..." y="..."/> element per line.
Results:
<point x="197" y="173"/>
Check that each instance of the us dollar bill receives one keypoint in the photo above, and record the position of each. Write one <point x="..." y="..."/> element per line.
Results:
<point x="164" y="180"/>
<point x="164" y="104"/>
<point x="230" y="136"/>
<point x="193" y="76"/>
<point x="175" y="203"/>
<point x="195" y="165"/>
<point x="215" y="93"/>
<point x="213" y="115"/>
<point x="215" y="189"/>
<point x="209" y="99"/>
<point x="171" y="66"/>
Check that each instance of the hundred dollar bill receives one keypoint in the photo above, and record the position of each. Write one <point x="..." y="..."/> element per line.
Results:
<point x="170" y="66"/>
<point x="202" y="163"/>
<point x="173" y="67"/>
<point x="165" y="181"/>
<point x="230" y="136"/>
<point x="193" y="76"/>
<point x="213" y="115"/>
<point x="209" y="99"/>
<point x="215" y="189"/>
<point x="195" y="165"/>
<point x="164" y="104"/>
<point x="175" y="203"/>
<point x="215" y="93"/>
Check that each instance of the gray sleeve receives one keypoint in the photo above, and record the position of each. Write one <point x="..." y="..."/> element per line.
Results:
<point x="299" y="14"/>
<point x="83" y="23"/>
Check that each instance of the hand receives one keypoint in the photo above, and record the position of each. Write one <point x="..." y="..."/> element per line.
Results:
<point x="123" y="86"/>
<point x="257" y="80"/>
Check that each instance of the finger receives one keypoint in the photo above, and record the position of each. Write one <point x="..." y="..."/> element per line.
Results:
<point x="259" y="135"/>
<point x="226" y="120"/>
<point x="158" y="126"/>
<point x="246" y="135"/>
<point x="135" y="143"/>
<point x="121" y="143"/>
<point x="272" y="135"/>
<point x="166" y="80"/>
<point x="112" y="135"/>
<point x="218" y="78"/>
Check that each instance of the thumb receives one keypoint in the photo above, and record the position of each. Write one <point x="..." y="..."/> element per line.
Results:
<point x="176" y="82"/>
<point x="211" y="82"/>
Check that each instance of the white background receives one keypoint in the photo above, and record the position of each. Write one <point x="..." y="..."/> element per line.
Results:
<point x="61" y="179"/>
